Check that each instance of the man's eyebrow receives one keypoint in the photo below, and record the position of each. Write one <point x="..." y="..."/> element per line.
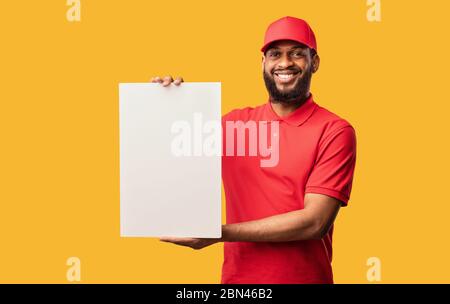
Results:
<point x="299" y="47"/>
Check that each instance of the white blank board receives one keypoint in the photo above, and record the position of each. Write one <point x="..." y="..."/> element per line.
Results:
<point x="162" y="194"/>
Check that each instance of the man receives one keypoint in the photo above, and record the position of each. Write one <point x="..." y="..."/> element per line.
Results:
<point x="280" y="218"/>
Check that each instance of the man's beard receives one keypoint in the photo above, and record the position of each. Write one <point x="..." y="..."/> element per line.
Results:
<point x="297" y="94"/>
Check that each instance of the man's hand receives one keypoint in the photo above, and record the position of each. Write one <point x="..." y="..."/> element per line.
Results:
<point x="167" y="80"/>
<point x="194" y="243"/>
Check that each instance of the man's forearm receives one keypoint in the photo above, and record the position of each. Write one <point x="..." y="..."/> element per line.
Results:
<point x="291" y="226"/>
<point x="312" y="222"/>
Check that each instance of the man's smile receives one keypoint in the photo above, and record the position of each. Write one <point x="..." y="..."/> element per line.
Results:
<point x="285" y="77"/>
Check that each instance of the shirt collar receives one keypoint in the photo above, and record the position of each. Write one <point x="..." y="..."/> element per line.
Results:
<point x="296" y="118"/>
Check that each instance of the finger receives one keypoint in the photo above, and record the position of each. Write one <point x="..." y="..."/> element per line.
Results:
<point x="176" y="242"/>
<point x="172" y="239"/>
<point x="177" y="239"/>
<point x="167" y="239"/>
<point x="167" y="80"/>
<point x="157" y="79"/>
<point x="178" y="81"/>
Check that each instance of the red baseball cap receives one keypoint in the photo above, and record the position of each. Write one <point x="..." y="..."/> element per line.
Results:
<point x="290" y="28"/>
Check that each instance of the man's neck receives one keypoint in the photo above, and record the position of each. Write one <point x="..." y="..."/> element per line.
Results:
<point x="284" y="109"/>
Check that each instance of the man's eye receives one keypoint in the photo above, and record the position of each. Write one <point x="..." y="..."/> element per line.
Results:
<point x="298" y="54"/>
<point x="273" y="54"/>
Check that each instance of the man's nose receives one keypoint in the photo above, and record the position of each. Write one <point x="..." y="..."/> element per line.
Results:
<point x="285" y="61"/>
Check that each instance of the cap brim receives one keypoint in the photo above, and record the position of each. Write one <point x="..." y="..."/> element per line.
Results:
<point x="264" y="48"/>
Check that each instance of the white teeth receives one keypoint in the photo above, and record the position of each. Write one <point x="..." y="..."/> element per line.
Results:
<point x="286" y="76"/>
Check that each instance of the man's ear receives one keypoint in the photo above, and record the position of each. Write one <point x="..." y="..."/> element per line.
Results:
<point x="263" y="60"/>
<point x="315" y="63"/>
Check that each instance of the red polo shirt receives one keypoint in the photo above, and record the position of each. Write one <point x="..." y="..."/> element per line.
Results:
<point x="317" y="152"/>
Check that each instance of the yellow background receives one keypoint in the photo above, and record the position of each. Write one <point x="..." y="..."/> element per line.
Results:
<point x="59" y="165"/>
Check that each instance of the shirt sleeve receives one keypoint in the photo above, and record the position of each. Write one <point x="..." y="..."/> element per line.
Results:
<point x="332" y="173"/>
